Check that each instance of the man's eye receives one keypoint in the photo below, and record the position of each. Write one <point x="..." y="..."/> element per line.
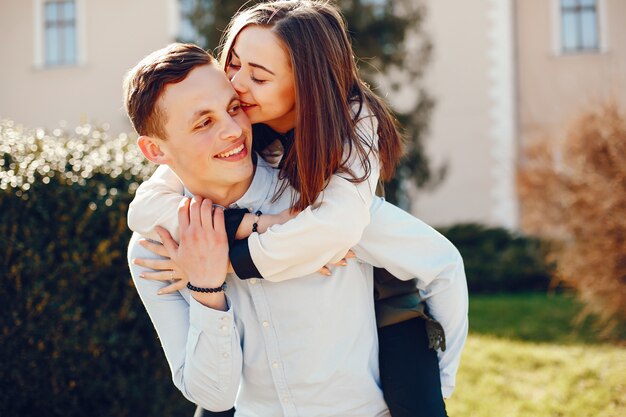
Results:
<point x="235" y="109"/>
<point x="205" y="123"/>
<point x="234" y="66"/>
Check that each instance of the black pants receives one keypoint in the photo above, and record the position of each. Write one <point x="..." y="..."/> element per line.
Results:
<point x="409" y="371"/>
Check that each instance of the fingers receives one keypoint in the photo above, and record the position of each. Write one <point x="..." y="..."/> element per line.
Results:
<point x="341" y="262"/>
<point x="194" y="211"/>
<point x="168" y="275"/>
<point x="169" y="244"/>
<point x="206" y="215"/>
<point x="154" y="247"/>
<point x="178" y="285"/>
<point x="183" y="214"/>
<point x="324" y="271"/>
<point x="165" y="265"/>
<point x="218" y="221"/>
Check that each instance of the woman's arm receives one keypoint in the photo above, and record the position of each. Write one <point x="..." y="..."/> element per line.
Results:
<point x="321" y="233"/>
<point x="408" y="248"/>
<point x="156" y="203"/>
<point x="202" y="345"/>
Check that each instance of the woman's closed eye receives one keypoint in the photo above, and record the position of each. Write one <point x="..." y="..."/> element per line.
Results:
<point x="257" y="80"/>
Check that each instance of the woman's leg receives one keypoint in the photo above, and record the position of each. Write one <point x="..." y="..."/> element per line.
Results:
<point x="409" y="371"/>
<point x="200" y="412"/>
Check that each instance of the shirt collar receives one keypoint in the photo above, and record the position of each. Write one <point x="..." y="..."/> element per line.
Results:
<point x="260" y="189"/>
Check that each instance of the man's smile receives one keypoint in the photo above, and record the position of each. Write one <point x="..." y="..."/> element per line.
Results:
<point x="234" y="153"/>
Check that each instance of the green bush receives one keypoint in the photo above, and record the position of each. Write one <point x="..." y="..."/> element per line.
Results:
<point x="497" y="260"/>
<point x="75" y="339"/>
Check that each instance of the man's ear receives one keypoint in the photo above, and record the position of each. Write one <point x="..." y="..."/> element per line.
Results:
<point x="151" y="149"/>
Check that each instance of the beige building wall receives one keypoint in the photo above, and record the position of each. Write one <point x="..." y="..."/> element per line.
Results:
<point x="473" y="123"/>
<point x="113" y="35"/>
<point x="553" y="86"/>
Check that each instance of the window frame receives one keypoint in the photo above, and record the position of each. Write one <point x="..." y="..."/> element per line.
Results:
<point x="40" y="23"/>
<point x="558" y="47"/>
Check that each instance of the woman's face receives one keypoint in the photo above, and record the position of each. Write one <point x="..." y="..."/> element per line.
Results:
<point x="261" y="73"/>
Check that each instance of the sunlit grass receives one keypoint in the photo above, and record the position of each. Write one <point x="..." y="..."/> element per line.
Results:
<point x="561" y="372"/>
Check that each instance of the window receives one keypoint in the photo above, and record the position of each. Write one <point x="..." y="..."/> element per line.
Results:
<point x="60" y="33"/>
<point x="579" y="25"/>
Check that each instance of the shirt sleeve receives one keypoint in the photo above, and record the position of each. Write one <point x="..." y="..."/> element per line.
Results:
<point x="202" y="346"/>
<point x="156" y="203"/>
<point x="324" y="231"/>
<point x="408" y="248"/>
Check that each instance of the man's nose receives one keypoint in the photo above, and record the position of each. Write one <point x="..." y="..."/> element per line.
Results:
<point x="231" y="129"/>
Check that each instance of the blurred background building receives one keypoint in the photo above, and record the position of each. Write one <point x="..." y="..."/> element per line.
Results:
<point x="503" y="73"/>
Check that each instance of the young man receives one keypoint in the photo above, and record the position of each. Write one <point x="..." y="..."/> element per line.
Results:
<point x="304" y="343"/>
<point x="301" y="347"/>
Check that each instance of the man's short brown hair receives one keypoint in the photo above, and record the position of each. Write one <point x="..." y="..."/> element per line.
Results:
<point x="144" y="84"/>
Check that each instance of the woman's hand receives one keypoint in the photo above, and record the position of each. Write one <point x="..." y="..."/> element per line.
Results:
<point x="164" y="269"/>
<point x="325" y="270"/>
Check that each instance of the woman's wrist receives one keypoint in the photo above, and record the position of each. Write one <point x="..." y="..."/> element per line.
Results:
<point x="263" y="222"/>
<point x="245" y="227"/>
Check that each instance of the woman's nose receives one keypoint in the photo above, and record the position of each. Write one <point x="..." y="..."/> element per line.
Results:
<point x="237" y="81"/>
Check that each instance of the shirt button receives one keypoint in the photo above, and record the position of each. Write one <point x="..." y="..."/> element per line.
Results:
<point x="225" y="318"/>
<point x="223" y="328"/>
<point x="274" y="364"/>
<point x="285" y="400"/>
<point x="266" y="323"/>
<point x="252" y="281"/>
<point x="225" y="355"/>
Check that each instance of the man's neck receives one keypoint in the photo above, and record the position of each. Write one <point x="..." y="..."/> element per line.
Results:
<point x="222" y="195"/>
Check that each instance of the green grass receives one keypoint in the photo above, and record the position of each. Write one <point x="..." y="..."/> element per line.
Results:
<point x="533" y="317"/>
<point x="525" y="358"/>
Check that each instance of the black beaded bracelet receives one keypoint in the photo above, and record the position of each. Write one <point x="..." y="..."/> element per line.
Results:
<point x="206" y="290"/>
<point x="255" y="225"/>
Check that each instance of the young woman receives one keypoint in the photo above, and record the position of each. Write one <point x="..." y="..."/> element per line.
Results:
<point x="293" y="67"/>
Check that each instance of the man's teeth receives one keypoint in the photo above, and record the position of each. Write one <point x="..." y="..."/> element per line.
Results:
<point x="231" y="152"/>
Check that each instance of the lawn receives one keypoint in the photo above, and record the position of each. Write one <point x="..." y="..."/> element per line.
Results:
<point x="525" y="358"/>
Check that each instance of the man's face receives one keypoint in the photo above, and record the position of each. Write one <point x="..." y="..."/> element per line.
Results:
<point x="209" y="136"/>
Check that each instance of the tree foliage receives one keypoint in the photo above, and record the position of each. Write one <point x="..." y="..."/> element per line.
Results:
<point x="573" y="190"/>
<point x="388" y="38"/>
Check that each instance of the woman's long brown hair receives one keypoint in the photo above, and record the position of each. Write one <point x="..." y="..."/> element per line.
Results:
<point x="327" y="85"/>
